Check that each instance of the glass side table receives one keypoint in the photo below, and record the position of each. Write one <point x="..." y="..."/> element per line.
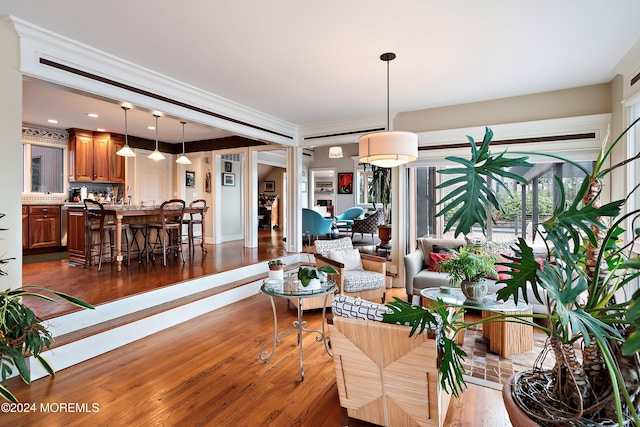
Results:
<point x="283" y="289"/>
<point x="505" y="338"/>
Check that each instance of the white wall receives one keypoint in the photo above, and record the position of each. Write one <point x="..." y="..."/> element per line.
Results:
<point x="11" y="160"/>
<point x="231" y="203"/>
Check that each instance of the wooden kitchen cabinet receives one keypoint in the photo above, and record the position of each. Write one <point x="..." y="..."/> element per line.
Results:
<point x="76" y="218"/>
<point x="101" y="157"/>
<point x="117" y="171"/>
<point x="80" y="155"/>
<point x="92" y="157"/>
<point x="25" y="227"/>
<point x="44" y="226"/>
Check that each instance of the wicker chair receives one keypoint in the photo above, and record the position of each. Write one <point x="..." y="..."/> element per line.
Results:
<point x="384" y="376"/>
<point x="368" y="225"/>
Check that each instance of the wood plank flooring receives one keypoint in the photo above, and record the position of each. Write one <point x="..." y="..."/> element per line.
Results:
<point x="207" y="371"/>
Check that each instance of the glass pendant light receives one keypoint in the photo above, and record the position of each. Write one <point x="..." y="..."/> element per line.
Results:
<point x="335" y="152"/>
<point x="156" y="155"/>
<point x="182" y="159"/>
<point x="126" y="151"/>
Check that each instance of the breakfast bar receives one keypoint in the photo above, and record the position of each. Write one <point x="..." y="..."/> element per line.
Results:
<point x="122" y="214"/>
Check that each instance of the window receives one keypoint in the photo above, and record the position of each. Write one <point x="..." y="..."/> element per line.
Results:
<point x="363" y="184"/>
<point x="539" y="196"/>
<point x="44" y="169"/>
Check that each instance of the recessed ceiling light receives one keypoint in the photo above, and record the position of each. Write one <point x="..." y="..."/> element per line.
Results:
<point x="52" y="121"/>
<point x="92" y="115"/>
<point x="100" y="130"/>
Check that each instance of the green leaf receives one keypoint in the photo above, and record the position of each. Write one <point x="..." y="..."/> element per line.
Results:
<point x="7" y="394"/>
<point x="471" y="195"/>
<point x="523" y="270"/>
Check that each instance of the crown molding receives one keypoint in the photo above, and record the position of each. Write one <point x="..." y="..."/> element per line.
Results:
<point x="37" y="43"/>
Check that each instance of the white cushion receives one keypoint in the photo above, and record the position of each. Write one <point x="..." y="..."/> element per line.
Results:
<point x="350" y="258"/>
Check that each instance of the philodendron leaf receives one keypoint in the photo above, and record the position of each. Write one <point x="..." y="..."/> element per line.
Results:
<point x="470" y="195"/>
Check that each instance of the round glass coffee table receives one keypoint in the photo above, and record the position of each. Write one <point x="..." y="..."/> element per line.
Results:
<point x="278" y="289"/>
<point x="505" y="337"/>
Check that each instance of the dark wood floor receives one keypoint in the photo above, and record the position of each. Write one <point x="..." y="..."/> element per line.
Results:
<point x="206" y="371"/>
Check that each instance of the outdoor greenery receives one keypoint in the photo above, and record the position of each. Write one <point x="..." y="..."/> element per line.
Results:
<point x="380" y="190"/>
<point x="581" y="282"/>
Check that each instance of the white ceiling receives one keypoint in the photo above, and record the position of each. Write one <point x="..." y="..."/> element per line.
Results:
<point x="316" y="62"/>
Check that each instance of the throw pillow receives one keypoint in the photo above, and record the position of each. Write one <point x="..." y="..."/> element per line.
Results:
<point x="356" y="308"/>
<point x="349" y="257"/>
<point x="442" y="249"/>
<point x="435" y="259"/>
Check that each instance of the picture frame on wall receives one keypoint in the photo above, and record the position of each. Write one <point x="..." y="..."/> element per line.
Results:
<point x="269" y="186"/>
<point x="345" y="183"/>
<point x="228" y="167"/>
<point x="229" y="179"/>
<point x="190" y="179"/>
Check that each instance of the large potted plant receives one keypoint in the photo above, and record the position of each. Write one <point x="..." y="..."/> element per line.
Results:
<point x="22" y="332"/>
<point x="580" y="281"/>
<point x="380" y="192"/>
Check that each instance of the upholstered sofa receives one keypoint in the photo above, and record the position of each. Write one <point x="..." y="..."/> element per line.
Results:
<point x="383" y="376"/>
<point x="420" y="272"/>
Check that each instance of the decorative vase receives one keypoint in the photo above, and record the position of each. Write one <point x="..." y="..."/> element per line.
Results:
<point x="276" y="272"/>
<point x="384" y="233"/>
<point x="474" y="291"/>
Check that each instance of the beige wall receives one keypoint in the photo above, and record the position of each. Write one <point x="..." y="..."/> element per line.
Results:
<point x="11" y="161"/>
<point x="580" y="101"/>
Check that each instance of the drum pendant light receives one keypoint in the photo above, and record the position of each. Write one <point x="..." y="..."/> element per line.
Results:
<point x="388" y="149"/>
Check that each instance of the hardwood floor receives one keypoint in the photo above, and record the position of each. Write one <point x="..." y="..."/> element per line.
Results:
<point x="99" y="287"/>
<point x="207" y="371"/>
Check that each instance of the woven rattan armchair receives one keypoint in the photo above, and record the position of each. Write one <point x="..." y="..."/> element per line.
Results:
<point x="384" y="376"/>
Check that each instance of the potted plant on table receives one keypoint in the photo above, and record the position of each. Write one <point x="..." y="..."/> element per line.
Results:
<point x="22" y="332"/>
<point x="580" y="283"/>
<point x="276" y="269"/>
<point x="469" y="268"/>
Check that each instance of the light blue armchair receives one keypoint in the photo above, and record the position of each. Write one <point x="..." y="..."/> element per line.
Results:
<point x="344" y="221"/>
<point x="315" y="224"/>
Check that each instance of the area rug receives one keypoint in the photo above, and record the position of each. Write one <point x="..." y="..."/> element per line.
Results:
<point x="30" y="259"/>
<point x="492" y="370"/>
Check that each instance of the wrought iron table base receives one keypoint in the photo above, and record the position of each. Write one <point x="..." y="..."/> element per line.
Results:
<point x="300" y="326"/>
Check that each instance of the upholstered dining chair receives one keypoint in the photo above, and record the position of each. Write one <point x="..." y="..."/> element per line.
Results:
<point x="368" y="225"/>
<point x="168" y="230"/>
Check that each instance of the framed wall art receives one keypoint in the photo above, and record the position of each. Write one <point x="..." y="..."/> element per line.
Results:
<point x="269" y="186"/>
<point x="229" y="179"/>
<point x="190" y="179"/>
<point x="345" y="183"/>
<point x="228" y="166"/>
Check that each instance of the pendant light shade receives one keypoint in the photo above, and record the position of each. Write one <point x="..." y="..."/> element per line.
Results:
<point x="389" y="148"/>
<point x="126" y="151"/>
<point x="182" y="159"/>
<point x="335" y="152"/>
<point x="156" y="155"/>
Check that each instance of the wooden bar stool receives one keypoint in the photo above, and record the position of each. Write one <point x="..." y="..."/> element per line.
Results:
<point x="195" y="219"/>
<point x="97" y="223"/>
<point x="168" y="230"/>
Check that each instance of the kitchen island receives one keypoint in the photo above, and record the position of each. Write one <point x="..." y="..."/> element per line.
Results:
<point x="76" y="239"/>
